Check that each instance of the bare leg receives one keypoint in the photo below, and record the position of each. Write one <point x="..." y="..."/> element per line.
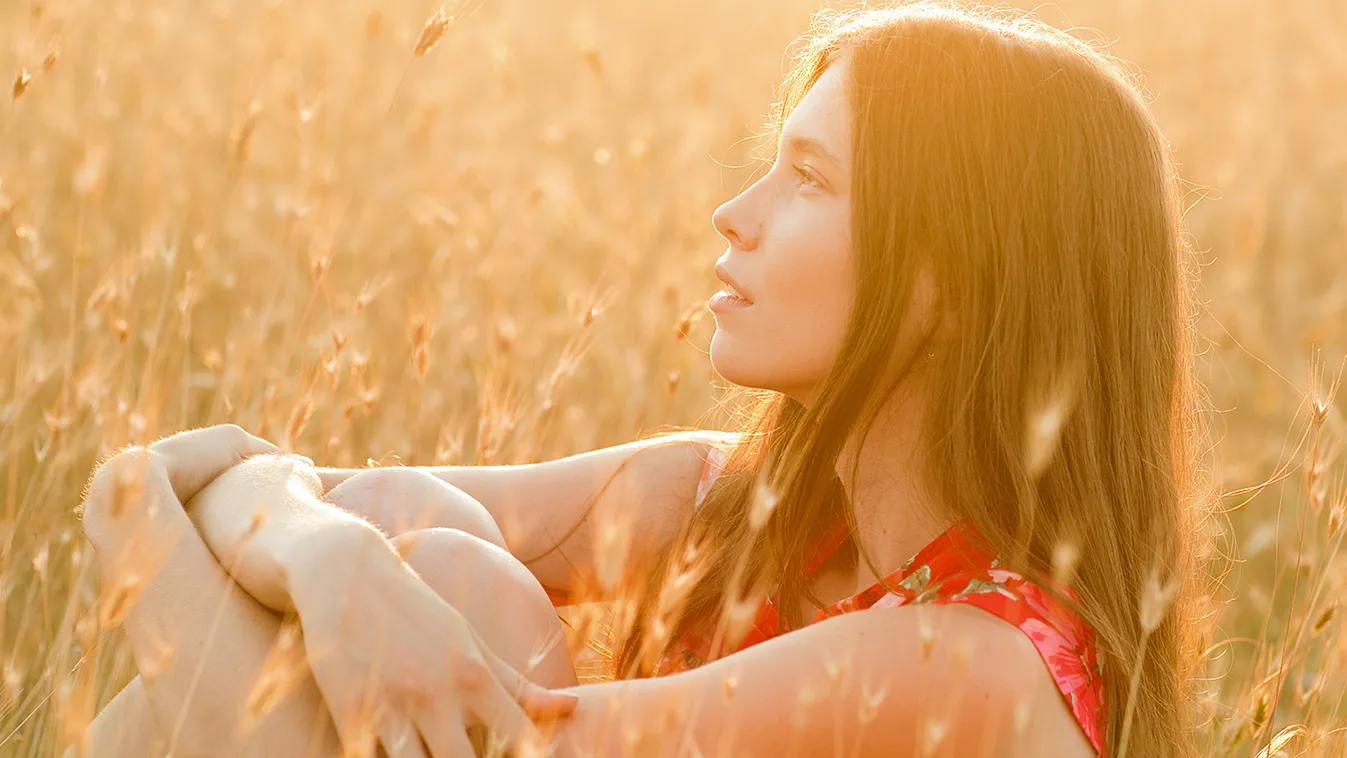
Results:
<point x="499" y="596"/>
<point x="502" y="600"/>
<point x="401" y="499"/>
<point x="198" y="640"/>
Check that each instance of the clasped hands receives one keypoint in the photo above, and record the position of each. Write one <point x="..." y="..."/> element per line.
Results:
<point x="396" y="665"/>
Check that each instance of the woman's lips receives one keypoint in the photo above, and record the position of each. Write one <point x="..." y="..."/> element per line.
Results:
<point x="724" y="301"/>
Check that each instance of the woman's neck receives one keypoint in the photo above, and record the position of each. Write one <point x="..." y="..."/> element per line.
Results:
<point x="896" y="516"/>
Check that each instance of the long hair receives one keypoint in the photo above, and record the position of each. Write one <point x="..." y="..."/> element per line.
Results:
<point x="1024" y="168"/>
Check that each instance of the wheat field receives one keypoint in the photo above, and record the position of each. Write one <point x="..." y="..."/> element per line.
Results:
<point x="275" y="213"/>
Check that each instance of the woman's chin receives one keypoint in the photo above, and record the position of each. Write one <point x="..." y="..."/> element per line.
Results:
<point x="724" y="366"/>
<point x="734" y="371"/>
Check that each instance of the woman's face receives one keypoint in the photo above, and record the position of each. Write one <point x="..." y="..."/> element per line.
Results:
<point x="789" y="252"/>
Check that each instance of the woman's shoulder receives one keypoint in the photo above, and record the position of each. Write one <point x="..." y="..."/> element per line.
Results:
<point x="1060" y="639"/>
<point x="959" y="570"/>
<point x="1009" y="666"/>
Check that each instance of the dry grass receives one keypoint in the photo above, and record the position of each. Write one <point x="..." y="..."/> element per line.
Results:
<point x="486" y="240"/>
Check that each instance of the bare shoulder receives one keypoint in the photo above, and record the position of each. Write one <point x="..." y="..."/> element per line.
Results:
<point x="678" y="458"/>
<point x="659" y="480"/>
<point x="1000" y="690"/>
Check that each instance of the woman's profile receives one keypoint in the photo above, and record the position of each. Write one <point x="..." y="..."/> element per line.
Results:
<point x="959" y="517"/>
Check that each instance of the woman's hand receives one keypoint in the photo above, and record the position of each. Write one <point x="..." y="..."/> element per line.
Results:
<point x="168" y="473"/>
<point x="398" y="665"/>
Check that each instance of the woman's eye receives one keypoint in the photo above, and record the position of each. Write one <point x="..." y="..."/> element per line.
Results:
<point x="806" y="178"/>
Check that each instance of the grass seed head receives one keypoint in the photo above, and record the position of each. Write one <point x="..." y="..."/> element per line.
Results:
<point x="283" y="672"/>
<point x="1156" y="600"/>
<point x="739" y="616"/>
<point x="10" y="681"/>
<point x="40" y="564"/>
<point x="119" y="599"/>
<point x="612" y="538"/>
<point x="374" y="25"/>
<point x="1258" y="717"/>
<point x="299" y="417"/>
<point x="1065" y="556"/>
<point x="1324" y="619"/>
<point x="764" y="502"/>
<point x="960" y="653"/>
<point x="121" y="330"/>
<point x="21" y="82"/>
<point x="1319" y="409"/>
<point x="804" y="705"/>
<point x="933" y="735"/>
<point x="255" y="522"/>
<point x="593" y="59"/>
<point x="925" y="635"/>
<point x="157" y="662"/>
<point x="1023" y="709"/>
<point x="838" y="671"/>
<point x="689" y="319"/>
<point x="128" y="490"/>
<point x="1044" y="429"/>
<point x="432" y="32"/>
<point x="728" y="684"/>
<point x="870" y="702"/>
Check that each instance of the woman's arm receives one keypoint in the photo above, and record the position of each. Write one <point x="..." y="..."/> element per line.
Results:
<point x="259" y="543"/>
<point x="922" y="681"/>
<point x="641" y="491"/>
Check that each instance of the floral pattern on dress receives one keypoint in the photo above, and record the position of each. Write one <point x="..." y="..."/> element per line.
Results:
<point x="958" y="566"/>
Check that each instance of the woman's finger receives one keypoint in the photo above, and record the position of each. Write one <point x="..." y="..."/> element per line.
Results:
<point x="445" y="734"/>
<point x="491" y="705"/>
<point x="399" y="737"/>
<point x="194" y="458"/>
<point x="538" y="702"/>
<point x="357" y="714"/>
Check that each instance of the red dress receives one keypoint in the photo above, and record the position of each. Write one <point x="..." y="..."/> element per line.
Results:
<point x="958" y="566"/>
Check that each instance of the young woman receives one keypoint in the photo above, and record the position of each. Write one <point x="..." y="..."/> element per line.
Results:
<point x="960" y="519"/>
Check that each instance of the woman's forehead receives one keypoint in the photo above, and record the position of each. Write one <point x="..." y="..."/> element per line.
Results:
<point x="821" y="122"/>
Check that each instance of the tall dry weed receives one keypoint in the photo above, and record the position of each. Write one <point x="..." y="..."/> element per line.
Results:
<point x="485" y="238"/>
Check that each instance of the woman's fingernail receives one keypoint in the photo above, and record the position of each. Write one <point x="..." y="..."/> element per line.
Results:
<point x="304" y="459"/>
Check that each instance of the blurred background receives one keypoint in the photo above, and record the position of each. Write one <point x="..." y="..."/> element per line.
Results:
<point x="274" y="213"/>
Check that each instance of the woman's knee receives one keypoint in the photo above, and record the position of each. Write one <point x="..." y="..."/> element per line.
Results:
<point x="498" y="595"/>
<point x="402" y="499"/>
<point x="452" y="561"/>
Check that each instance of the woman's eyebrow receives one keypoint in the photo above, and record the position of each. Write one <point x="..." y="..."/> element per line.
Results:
<point x="811" y="146"/>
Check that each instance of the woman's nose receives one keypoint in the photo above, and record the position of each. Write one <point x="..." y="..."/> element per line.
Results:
<point x="732" y="223"/>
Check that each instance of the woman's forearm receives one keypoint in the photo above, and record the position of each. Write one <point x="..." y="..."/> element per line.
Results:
<point x="261" y="518"/>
